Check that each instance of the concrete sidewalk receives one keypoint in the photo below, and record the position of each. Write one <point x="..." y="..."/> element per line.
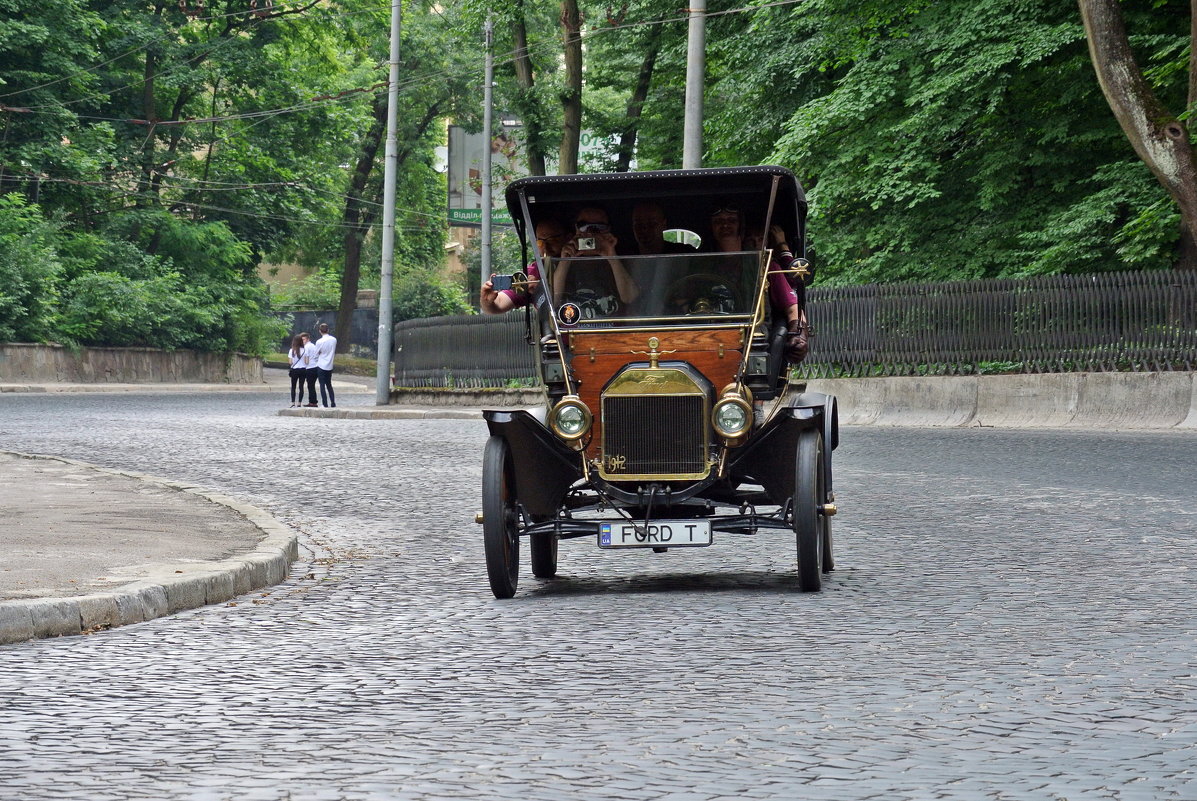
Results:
<point x="87" y="548"/>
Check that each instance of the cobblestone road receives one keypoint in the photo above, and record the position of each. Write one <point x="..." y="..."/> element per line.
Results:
<point x="1012" y="618"/>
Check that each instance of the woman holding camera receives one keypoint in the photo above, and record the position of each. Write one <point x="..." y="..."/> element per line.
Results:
<point x="598" y="288"/>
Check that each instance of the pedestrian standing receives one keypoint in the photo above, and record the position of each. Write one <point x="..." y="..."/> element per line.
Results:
<point x="326" y="350"/>
<point x="299" y="370"/>
<point x="309" y="361"/>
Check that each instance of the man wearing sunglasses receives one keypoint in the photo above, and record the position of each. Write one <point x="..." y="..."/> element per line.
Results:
<point x="550" y="237"/>
<point x="590" y="273"/>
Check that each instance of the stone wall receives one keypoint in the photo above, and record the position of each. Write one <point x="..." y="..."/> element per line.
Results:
<point x="1124" y="401"/>
<point x="474" y="398"/>
<point x="55" y="364"/>
<point x="1051" y="400"/>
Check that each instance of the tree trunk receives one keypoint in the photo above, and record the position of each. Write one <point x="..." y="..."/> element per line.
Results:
<point x="148" y="148"/>
<point x="571" y="95"/>
<point x="149" y="109"/>
<point x="1158" y="137"/>
<point x="359" y="217"/>
<point x="627" y="139"/>
<point x="526" y="104"/>
<point x="357" y="223"/>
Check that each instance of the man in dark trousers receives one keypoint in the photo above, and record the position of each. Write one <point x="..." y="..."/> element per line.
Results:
<point x="326" y="350"/>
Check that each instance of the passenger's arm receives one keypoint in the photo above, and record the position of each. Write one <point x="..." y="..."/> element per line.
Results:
<point x="493" y="301"/>
<point x="560" y="272"/>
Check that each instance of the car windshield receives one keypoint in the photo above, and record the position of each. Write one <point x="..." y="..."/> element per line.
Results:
<point x="664" y="289"/>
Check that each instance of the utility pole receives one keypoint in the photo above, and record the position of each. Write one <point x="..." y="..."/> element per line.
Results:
<point x="391" y="166"/>
<point x="487" y="112"/>
<point x="695" y="76"/>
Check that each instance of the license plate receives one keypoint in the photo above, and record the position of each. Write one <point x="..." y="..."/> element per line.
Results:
<point x="657" y="534"/>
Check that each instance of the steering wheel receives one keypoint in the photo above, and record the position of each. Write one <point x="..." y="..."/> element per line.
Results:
<point x="694" y="293"/>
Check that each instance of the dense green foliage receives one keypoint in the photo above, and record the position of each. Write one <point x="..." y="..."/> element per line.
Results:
<point x="152" y="155"/>
<point x="967" y="139"/>
<point x="89" y="288"/>
<point x="29" y="269"/>
<point x="957" y="139"/>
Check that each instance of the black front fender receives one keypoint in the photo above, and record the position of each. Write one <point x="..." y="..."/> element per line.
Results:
<point x="544" y="467"/>
<point x="769" y="458"/>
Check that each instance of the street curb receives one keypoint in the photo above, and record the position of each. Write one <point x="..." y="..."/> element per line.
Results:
<point x="168" y="588"/>
<point x="1109" y="401"/>
<point x="386" y="413"/>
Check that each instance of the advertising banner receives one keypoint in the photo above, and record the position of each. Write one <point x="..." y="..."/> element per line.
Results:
<point x="507" y="163"/>
<point x="465" y="174"/>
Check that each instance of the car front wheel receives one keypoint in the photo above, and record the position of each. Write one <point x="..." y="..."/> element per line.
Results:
<point x="500" y="518"/>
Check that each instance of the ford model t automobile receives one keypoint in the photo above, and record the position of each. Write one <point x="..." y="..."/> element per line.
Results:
<point x="670" y="420"/>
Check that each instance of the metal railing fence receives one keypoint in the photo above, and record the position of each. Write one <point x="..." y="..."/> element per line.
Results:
<point x="1106" y="322"/>
<point x="1129" y="321"/>
<point x="464" y="351"/>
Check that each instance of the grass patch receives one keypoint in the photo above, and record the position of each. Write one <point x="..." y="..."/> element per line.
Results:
<point x="350" y="365"/>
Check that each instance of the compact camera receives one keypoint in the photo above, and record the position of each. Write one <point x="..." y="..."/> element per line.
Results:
<point x="516" y="281"/>
<point x="586" y="243"/>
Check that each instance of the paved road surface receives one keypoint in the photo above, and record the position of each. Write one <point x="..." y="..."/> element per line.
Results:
<point x="1012" y="619"/>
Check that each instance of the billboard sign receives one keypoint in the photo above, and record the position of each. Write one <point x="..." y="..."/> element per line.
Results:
<point x="465" y="174"/>
<point x="507" y="163"/>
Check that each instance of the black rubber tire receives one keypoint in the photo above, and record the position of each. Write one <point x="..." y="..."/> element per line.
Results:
<point x="543" y="551"/>
<point x="809" y="494"/>
<point x="500" y="530"/>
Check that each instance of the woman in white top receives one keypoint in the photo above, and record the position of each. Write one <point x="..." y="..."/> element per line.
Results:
<point x="299" y="368"/>
<point x="309" y="362"/>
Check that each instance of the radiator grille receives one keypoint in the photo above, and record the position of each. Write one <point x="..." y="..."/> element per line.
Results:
<point x="654" y="435"/>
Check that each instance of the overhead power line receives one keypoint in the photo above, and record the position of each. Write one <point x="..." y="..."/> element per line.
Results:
<point x="188" y="204"/>
<point x="319" y="100"/>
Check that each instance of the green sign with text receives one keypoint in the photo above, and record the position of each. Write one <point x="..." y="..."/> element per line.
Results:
<point x="474" y="217"/>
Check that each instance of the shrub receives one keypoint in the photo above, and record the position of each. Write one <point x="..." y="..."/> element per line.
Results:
<point x="423" y="293"/>
<point x="29" y="269"/>
<point x="318" y="291"/>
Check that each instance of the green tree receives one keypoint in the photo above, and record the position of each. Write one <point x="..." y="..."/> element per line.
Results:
<point x="435" y="83"/>
<point x="956" y="140"/>
<point x="29" y="270"/>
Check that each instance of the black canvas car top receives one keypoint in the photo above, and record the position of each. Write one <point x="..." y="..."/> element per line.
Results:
<point x="688" y="197"/>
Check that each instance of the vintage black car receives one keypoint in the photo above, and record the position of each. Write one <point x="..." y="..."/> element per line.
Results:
<point x="669" y="417"/>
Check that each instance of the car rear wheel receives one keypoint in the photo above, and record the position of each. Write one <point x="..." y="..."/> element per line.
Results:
<point x="500" y="518"/>
<point x="809" y="494"/>
<point x="543" y="550"/>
